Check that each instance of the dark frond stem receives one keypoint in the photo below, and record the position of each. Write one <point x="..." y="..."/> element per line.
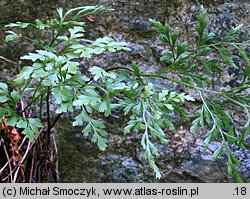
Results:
<point x="54" y="38"/>
<point x="48" y="117"/>
<point x="41" y="107"/>
<point x="90" y="80"/>
<point x="30" y="40"/>
<point x="55" y="121"/>
<point x="34" y="100"/>
<point x="118" y="68"/>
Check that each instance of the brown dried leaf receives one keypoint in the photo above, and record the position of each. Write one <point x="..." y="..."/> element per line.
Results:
<point x="5" y="126"/>
<point x="91" y="18"/>
<point x="14" y="135"/>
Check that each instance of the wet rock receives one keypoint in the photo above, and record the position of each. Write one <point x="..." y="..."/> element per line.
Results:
<point x="247" y="142"/>
<point x="142" y="27"/>
<point x="128" y="171"/>
<point x="129" y="22"/>
<point x="123" y="162"/>
<point x="20" y="10"/>
<point x="213" y="147"/>
<point x="205" y="170"/>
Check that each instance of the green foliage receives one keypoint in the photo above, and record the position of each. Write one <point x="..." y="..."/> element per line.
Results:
<point x="54" y="76"/>
<point x="53" y="70"/>
<point x="212" y="112"/>
<point x="148" y="110"/>
<point x="4" y="92"/>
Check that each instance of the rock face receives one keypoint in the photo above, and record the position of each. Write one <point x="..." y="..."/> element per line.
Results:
<point x="122" y="161"/>
<point x="129" y="22"/>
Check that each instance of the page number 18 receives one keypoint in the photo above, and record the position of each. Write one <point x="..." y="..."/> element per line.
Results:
<point x="241" y="191"/>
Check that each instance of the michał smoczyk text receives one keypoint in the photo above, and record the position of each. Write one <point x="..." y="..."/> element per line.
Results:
<point x="26" y="191"/>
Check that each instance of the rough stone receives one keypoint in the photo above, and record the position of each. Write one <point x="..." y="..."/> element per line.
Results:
<point x="247" y="142"/>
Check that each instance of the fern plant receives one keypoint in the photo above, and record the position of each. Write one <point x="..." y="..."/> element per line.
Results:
<point x="185" y="64"/>
<point x="54" y="76"/>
